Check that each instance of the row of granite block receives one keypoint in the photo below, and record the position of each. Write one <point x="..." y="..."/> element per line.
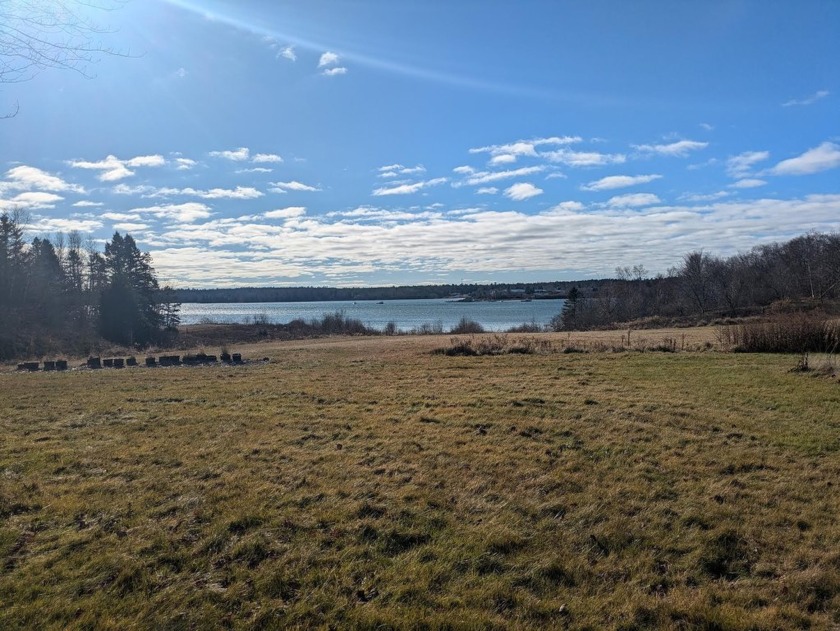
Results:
<point x="55" y="364"/>
<point x="123" y="362"/>
<point x="166" y="360"/>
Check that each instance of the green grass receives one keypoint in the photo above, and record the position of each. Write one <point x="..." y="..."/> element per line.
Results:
<point x="373" y="484"/>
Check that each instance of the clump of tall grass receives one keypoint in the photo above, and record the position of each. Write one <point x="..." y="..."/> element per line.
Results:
<point x="785" y="333"/>
<point x="496" y="345"/>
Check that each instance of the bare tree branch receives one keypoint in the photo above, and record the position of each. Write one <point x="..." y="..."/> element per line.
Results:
<point x="36" y="35"/>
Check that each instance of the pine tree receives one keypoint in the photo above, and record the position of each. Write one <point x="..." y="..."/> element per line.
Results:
<point x="128" y="307"/>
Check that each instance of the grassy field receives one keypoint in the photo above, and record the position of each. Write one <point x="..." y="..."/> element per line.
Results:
<point x="372" y="484"/>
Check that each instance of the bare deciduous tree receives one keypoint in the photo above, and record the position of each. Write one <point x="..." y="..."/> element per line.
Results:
<point x="36" y="35"/>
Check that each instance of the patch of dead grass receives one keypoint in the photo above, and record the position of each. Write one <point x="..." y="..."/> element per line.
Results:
<point x="366" y="482"/>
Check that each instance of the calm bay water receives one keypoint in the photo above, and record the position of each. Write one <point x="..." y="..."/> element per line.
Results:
<point x="406" y="314"/>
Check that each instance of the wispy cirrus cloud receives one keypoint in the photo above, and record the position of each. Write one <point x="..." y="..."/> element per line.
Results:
<point x="485" y="177"/>
<point x="281" y="50"/>
<point x="284" y="187"/>
<point x="185" y="164"/>
<point x="151" y="192"/>
<point x="825" y="156"/>
<point x="509" y="152"/>
<point x="393" y="171"/>
<point x="584" y="158"/>
<point x="619" y="181"/>
<point x="408" y="189"/>
<point x="679" y="149"/>
<point x="749" y="182"/>
<point x="742" y="165"/>
<point x="808" y="100"/>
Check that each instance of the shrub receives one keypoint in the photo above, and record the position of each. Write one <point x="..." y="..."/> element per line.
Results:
<point x="527" y="327"/>
<point x="465" y="325"/>
<point x="785" y="333"/>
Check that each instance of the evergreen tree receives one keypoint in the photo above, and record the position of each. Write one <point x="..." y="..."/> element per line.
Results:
<point x="45" y="278"/>
<point x="128" y="307"/>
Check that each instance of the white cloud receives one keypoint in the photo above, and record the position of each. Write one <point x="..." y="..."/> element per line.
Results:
<point x="30" y="200"/>
<point x="485" y="177"/>
<point x="183" y="213"/>
<point x="748" y="183"/>
<point x="822" y="158"/>
<point x="282" y="187"/>
<point x="332" y="72"/>
<point x="809" y="100"/>
<point x="119" y="216"/>
<point x="463" y="170"/>
<point x="262" y="158"/>
<point x="184" y="164"/>
<point x="113" y="169"/>
<point x="285" y="213"/>
<point x="525" y="147"/>
<point x="237" y="155"/>
<point x="396" y="170"/>
<point x="634" y="200"/>
<point x="679" y="149"/>
<point x="26" y="178"/>
<point x="56" y="224"/>
<point x="146" y="161"/>
<point x="407" y="189"/>
<point x="328" y="59"/>
<point x="704" y="197"/>
<point x="239" y="251"/>
<point x="131" y="226"/>
<point x="240" y="192"/>
<point x="88" y="204"/>
<point x="503" y="158"/>
<point x="741" y="165"/>
<point x="487" y="190"/>
<point x="707" y="126"/>
<point x="618" y="181"/>
<point x="254" y="170"/>
<point x="522" y="191"/>
<point x="584" y="158"/>
<point x="287" y="52"/>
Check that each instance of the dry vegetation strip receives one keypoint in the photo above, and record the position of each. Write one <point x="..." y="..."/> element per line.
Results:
<point x="371" y="484"/>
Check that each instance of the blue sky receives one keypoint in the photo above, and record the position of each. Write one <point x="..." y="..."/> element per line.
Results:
<point x="367" y="142"/>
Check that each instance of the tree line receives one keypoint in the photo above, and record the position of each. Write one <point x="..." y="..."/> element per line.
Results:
<point x="402" y="292"/>
<point x="802" y="272"/>
<point x="62" y="294"/>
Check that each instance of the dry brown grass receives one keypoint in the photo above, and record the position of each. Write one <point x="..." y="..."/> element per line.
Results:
<point x="368" y="483"/>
